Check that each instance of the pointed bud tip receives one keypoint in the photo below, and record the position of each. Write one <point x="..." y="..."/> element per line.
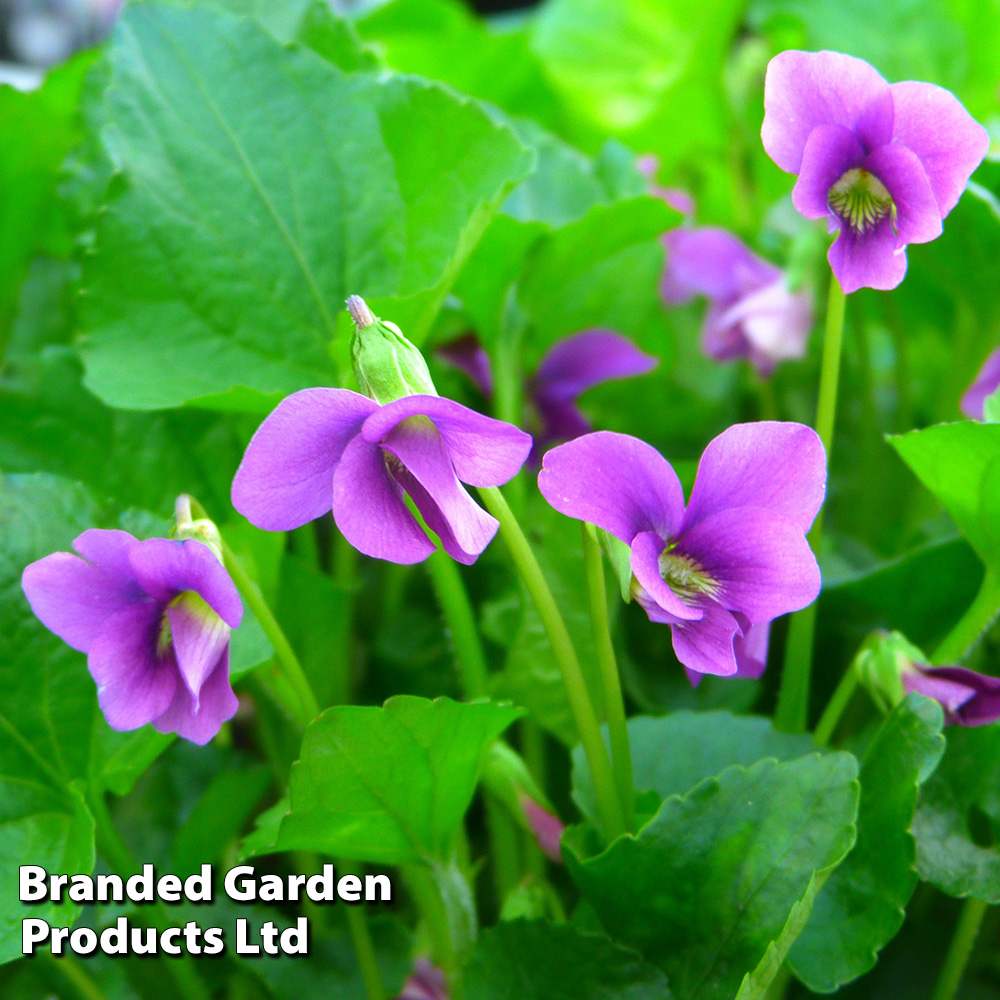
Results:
<point x="360" y="313"/>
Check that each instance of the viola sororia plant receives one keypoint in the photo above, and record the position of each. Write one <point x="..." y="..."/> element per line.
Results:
<point x="541" y="466"/>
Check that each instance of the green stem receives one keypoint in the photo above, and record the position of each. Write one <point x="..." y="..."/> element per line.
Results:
<point x="960" y="949"/>
<point x="565" y="655"/>
<point x="75" y="974"/>
<point x="364" y="950"/>
<point x="282" y="648"/>
<point x="835" y="707"/>
<point x="792" y="712"/>
<point x="119" y="857"/>
<point x="505" y="853"/>
<point x="461" y="621"/>
<point x="979" y="616"/>
<point x="611" y="688"/>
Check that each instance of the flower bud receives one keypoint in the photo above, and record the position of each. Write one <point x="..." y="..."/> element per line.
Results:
<point x="199" y="529"/>
<point x="884" y="659"/>
<point x="386" y="365"/>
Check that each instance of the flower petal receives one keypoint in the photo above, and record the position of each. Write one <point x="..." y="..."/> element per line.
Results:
<point x="803" y="90"/>
<point x="286" y="476"/>
<point x="74" y="598"/>
<point x="200" y="722"/>
<point x="646" y="549"/>
<point x="587" y="359"/>
<point x="987" y="382"/>
<point x="830" y="151"/>
<point x="761" y="561"/>
<point x="200" y="638"/>
<point x="369" y="509"/>
<point x="469" y="356"/>
<point x="464" y="528"/>
<point x="751" y="650"/>
<point x="134" y="684"/>
<point x="615" y="481"/>
<point x="166" y="568"/>
<point x="778" y="466"/>
<point x="867" y="260"/>
<point x="561" y="421"/>
<point x="918" y="219"/>
<point x="711" y="262"/>
<point x="483" y="451"/>
<point x="108" y="549"/>
<point x="706" y="646"/>
<point x="950" y="143"/>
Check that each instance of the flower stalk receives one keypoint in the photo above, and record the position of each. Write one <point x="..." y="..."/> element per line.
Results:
<point x="614" y="704"/>
<point x="584" y="716"/>
<point x="979" y="616"/>
<point x="960" y="950"/>
<point x="792" y="712"/>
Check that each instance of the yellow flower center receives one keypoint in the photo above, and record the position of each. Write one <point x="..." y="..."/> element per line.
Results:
<point x="861" y="200"/>
<point x="685" y="577"/>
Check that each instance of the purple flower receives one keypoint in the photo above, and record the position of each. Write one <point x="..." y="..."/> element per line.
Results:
<point x="154" y="619"/>
<point x="426" y="983"/>
<point x="752" y="313"/>
<point x="736" y="556"/>
<point x="883" y="163"/>
<point x="968" y="698"/>
<point x="324" y="449"/>
<point x="569" y="369"/>
<point x="547" y="827"/>
<point x="987" y="382"/>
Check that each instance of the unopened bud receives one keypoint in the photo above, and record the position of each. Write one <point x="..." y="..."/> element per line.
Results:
<point x="386" y="365"/>
<point x="196" y="529"/>
<point x="884" y="659"/>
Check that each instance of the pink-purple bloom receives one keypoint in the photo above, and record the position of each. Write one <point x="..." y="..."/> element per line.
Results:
<point x="752" y="313"/>
<point x="426" y="983"/>
<point x="967" y="697"/>
<point x="986" y="383"/>
<point x="883" y="163"/>
<point x="546" y="826"/>
<point x="333" y="449"/>
<point x="154" y="618"/>
<point x="733" y="558"/>
<point x="566" y="371"/>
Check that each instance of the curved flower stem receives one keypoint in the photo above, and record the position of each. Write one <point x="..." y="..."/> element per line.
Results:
<point x="979" y="616"/>
<point x="364" y="950"/>
<point x="835" y="707"/>
<point x="569" y="666"/>
<point x="119" y="857"/>
<point x="960" y="949"/>
<point x="614" y="704"/>
<point x="282" y="648"/>
<point x="461" y="621"/>
<point x="792" y="712"/>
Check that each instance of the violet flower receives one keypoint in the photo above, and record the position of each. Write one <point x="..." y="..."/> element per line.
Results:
<point x="736" y="556"/>
<point x="752" y="313"/>
<point x="986" y="383"/>
<point x="566" y="371"/>
<point x="968" y="698"/>
<point x="426" y="983"/>
<point x="154" y="619"/>
<point x="324" y="449"/>
<point x="884" y="163"/>
<point x="547" y="827"/>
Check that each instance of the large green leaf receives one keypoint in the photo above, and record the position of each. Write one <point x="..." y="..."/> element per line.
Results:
<point x="957" y="824"/>
<point x="53" y="738"/>
<point x="535" y="960"/>
<point x="673" y="753"/>
<point x="226" y="249"/>
<point x="387" y="785"/>
<point x="716" y="886"/>
<point x="960" y="464"/>
<point x="861" y="906"/>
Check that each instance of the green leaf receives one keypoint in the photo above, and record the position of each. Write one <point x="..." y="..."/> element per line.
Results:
<point x="53" y="737"/>
<point x="714" y="888"/>
<point x="388" y="785"/>
<point x="646" y="71"/>
<point x="861" y="906"/>
<point x="957" y="824"/>
<point x="960" y="464"/>
<point x="223" y="258"/>
<point x="535" y="960"/>
<point x="673" y="753"/>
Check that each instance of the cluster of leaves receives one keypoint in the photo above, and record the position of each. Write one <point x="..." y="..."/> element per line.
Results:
<point x="183" y="212"/>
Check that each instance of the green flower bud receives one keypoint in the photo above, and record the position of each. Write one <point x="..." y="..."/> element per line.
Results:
<point x="881" y="663"/>
<point x="386" y="365"/>
<point x="197" y="529"/>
